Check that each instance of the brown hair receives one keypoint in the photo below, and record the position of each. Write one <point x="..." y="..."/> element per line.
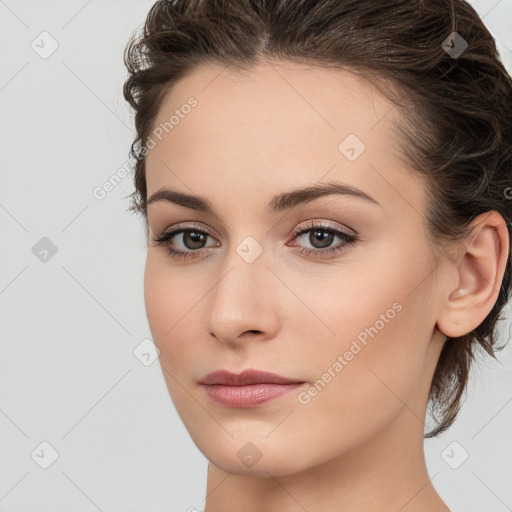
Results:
<point x="456" y="107"/>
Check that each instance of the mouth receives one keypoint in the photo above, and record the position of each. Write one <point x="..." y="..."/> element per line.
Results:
<point x="249" y="389"/>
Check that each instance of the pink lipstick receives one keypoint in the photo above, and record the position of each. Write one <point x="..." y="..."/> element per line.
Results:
<point x="249" y="389"/>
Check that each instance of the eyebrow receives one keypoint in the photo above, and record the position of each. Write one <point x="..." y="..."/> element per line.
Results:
<point x="278" y="203"/>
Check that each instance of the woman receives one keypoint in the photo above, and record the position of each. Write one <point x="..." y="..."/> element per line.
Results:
<point x="324" y="186"/>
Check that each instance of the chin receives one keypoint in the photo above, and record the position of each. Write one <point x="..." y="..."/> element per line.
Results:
<point x="253" y="455"/>
<point x="275" y="465"/>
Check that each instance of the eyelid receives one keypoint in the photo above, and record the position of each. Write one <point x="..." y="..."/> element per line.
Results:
<point x="193" y="225"/>
<point x="323" y="224"/>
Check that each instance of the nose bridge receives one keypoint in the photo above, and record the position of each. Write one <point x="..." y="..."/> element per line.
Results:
<point x="240" y="300"/>
<point x="244" y="272"/>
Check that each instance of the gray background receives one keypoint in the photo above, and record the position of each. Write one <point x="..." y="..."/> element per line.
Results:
<point x="68" y="374"/>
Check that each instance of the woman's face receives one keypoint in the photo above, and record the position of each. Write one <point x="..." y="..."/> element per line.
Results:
<point x="355" y="322"/>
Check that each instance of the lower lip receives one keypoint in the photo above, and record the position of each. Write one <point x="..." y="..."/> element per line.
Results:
<point x="249" y="396"/>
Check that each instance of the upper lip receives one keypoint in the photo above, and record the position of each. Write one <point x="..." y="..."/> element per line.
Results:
<point x="226" y="377"/>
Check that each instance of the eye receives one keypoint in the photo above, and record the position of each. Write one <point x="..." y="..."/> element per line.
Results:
<point x="193" y="240"/>
<point x="321" y="236"/>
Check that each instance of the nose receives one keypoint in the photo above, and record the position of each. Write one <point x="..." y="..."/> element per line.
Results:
<point x="243" y="304"/>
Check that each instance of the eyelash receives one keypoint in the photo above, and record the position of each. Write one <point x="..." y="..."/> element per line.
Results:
<point x="349" y="240"/>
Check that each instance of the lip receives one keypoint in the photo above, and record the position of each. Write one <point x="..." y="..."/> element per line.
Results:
<point x="247" y="377"/>
<point x="249" y="389"/>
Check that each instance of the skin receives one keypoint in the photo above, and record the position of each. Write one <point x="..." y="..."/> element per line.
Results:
<point x="358" y="444"/>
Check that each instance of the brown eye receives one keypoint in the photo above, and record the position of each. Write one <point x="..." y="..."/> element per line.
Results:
<point x="191" y="245"/>
<point x="321" y="237"/>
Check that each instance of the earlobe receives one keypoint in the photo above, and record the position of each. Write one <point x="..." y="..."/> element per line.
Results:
<point x="479" y="267"/>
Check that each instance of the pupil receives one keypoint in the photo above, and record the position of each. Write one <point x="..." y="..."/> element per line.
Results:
<point x="325" y="239"/>
<point x="196" y="239"/>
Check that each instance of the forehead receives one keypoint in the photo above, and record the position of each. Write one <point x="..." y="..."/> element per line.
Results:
<point x="278" y="91"/>
<point x="278" y="123"/>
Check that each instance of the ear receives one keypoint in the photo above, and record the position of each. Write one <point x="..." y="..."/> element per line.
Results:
<point x="477" y="265"/>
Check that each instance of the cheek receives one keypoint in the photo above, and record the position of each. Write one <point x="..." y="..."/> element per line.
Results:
<point x="169" y="302"/>
<point x="160" y="304"/>
<point x="174" y="326"/>
<point x="372" y="309"/>
<point x="382" y="325"/>
<point x="175" y="308"/>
